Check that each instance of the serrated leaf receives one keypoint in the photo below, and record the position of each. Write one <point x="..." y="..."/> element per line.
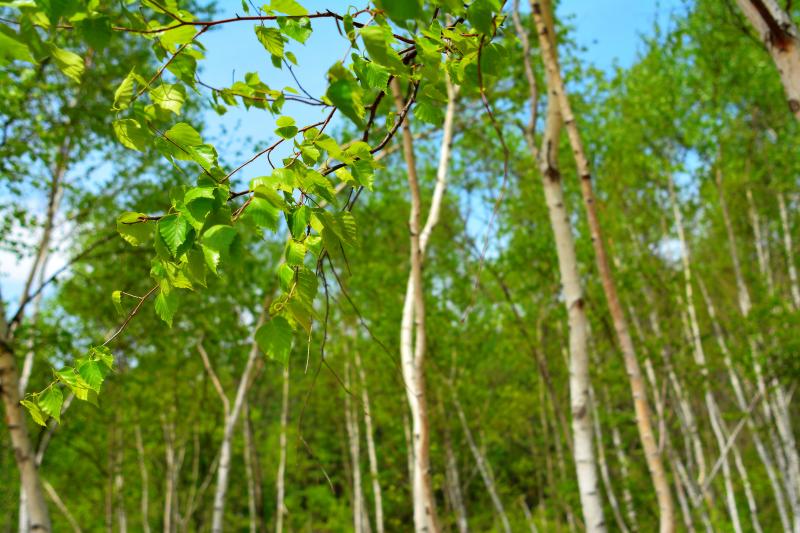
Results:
<point x="288" y="7"/>
<point x="271" y="39"/>
<point x="70" y="63"/>
<point x="217" y="242"/>
<point x="92" y="374"/>
<point x="378" y="42"/>
<point x="286" y="127"/>
<point x="346" y="96"/>
<point x="370" y="73"/>
<point x="166" y="305"/>
<point x="174" y="231"/>
<point x="262" y="213"/>
<point x="295" y="253"/>
<point x="124" y="93"/>
<point x="479" y="14"/>
<point x="35" y="413"/>
<point x="116" y="297"/>
<point x="427" y="112"/>
<point x="184" y="135"/>
<point x="298" y="29"/>
<point x="132" y="228"/>
<point x="275" y="339"/>
<point x="169" y="97"/>
<point x="103" y="354"/>
<point x="50" y="402"/>
<point x="177" y="36"/>
<point x="131" y="134"/>
<point x="11" y="49"/>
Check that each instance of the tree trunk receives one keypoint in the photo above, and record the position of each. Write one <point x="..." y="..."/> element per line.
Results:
<point x="280" y="482"/>
<point x="642" y="409"/>
<point x="354" y="442"/>
<point x="412" y="330"/>
<point x="603" y="466"/>
<point x="788" y="248"/>
<point x="144" y="475"/>
<point x="779" y="34"/>
<point x="453" y="482"/>
<point x="20" y="442"/>
<point x="483" y="466"/>
<point x="585" y="462"/>
<point x="223" y="471"/>
<point x="693" y="336"/>
<point x="371" y="452"/>
<point x="248" y="470"/>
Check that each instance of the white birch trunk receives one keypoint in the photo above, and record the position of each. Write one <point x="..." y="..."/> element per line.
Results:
<point x="371" y="452"/>
<point x="482" y="464"/>
<point x="144" y="477"/>
<point x="223" y="471"/>
<point x="638" y="391"/>
<point x="280" y="481"/>
<point x="779" y="35"/>
<point x="788" y="248"/>
<point x="412" y="328"/>
<point x="354" y="438"/>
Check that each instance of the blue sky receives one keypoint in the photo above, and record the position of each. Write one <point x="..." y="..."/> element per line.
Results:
<point x="610" y="30"/>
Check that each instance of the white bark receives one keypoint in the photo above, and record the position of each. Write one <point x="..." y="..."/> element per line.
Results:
<point x="482" y="464"/>
<point x="412" y="328"/>
<point x="371" y="452"/>
<point x="453" y="483"/>
<point x="354" y="441"/>
<point x="693" y="335"/>
<point x="655" y="465"/>
<point x="223" y="471"/>
<point x="583" y="449"/>
<point x="780" y="37"/>
<point x="280" y="481"/>
<point x="603" y="466"/>
<point x="788" y="248"/>
<point x="144" y="476"/>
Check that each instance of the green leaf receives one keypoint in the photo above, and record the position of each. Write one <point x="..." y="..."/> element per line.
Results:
<point x="174" y="230"/>
<point x="271" y="39"/>
<point x="124" y="93"/>
<point x="116" y="297"/>
<point x="169" y="97"/>
<point x="11" y="49"/>
<point x="427" y="112"/>
<point x="70" y="63"/>
<point x="401" y="10"/>
<point x="295" y="253"/>
<point x="298" y="221"/>
<point x="96" y="31"/>
<point x="184" y="135"/>
<point x="298" y="29"/>
<point x="177" y="36"/>
<point x="131" y="134"/>
<point x="377" y="40"/>
<point x="103" y="354"/>
<point x="217" y="242"/>
<point x="346" y="96"/>
<point x="288" y="7"/>
<point x="275" y="339"/>
<point x="92" y="374"/>
<point x="286" y="127"/>
<point x="370" y="73"/>
<point x="479" y="15"/>
<point x="131" y="227"/>
<point x="50" y="402"/>
<point x="36" y="414"/>
<point x="262" y="212"/>
<point x="166" y="305"/>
